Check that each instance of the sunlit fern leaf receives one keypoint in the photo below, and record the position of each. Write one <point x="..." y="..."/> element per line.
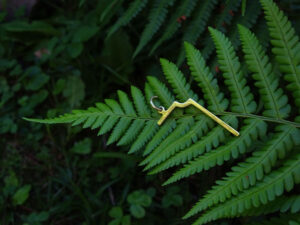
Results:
<point x="265" y="191"/>
<point x="156" y="18"/>
<point x="286" y="46"/>
<point x="197" y="25"/>
<point x="121" y="126"/>
<point x="132" y="11"/>
<point x="139" y="102"/>
<point x="161" y="91"/>
<point x="184" y="9"/>
<point x="183" y="125"/>
<point x="162" y="133"/>
<point x="241" y="97"/>
<point x="123" y="119"/>
<point x="210" y="140"/>
<point x="147" y="133"/>
<point x="177" y="80"/>
<point x="275" y="101"/>
<point x="206" y="81"/>
<point x="246" y="174"/>
<point x="167" y="149"/>
<point x="251" y="130"/>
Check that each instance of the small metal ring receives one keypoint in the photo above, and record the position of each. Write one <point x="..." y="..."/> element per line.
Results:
<point x="160" y="108"/>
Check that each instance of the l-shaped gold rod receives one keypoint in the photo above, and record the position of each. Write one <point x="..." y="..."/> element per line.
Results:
<point x="166" y="113"/>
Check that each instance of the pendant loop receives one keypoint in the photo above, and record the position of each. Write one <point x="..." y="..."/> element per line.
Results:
<point x="160" y="108"/>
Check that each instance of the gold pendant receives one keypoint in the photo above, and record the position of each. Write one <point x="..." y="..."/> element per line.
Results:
<point x="166" y="113"/>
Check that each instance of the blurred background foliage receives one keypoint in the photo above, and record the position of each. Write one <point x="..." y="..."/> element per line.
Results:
<point x="65" y="54"/>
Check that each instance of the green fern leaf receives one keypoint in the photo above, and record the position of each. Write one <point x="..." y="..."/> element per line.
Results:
<point x="205" y="80"/>
<point x="162" y="133"/>
<point x="156" y="18"/>
<point x="148" y="132"/>
<point x="177" y="80"/>
<point x="210" y="140"/>
<point x="247" y="173"/>
<point x="165" y="150"/>
<point x="161" y="91"/>
<point x="236" y="146"/>
<point x="183" y="126"/>
<point x="275" y="102"/>
<point x="241" y="97"/>
<point x="132" y="11"/>
<point x="271" y="186"/>
<point x="286" y="46"/>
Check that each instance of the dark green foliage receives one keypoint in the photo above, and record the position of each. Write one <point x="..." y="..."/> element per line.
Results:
<point x="189" y="138"/>
<point x="68" y="54"/>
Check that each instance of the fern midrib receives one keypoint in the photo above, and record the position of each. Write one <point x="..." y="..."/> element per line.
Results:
<point x="265" y="80"/>
<point x="245" y="115"/>
<point x="286" y="48"/>
<point x="244" y="173"/>
<point x="233" y="74"/>
<point x="107" y="114"/>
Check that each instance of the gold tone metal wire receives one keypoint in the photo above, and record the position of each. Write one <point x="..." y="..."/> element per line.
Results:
<point x="166" y="113"/>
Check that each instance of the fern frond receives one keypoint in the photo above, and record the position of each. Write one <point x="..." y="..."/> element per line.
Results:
<point x="122" y="118"/>
<point x="162" y="133"/>
<point x="147" y="133"/>
<point x="275" y="101"/>
<point x="183" y="126"/>
<point x="247" y="173"/>
<point x="161" y="91"/>
<point x="236" y="146"/>
<point x="271" y="186"/>
<point x="156" y="18"/>
<point x="164" y="151"/>
<point x="206" y="81"/>
<point x="211" y="140"/>
<point x="286" y="46"/>
<point x="197" y="25"/>
<point x="283" y="204"/>
<point x="178" y="82"/>
<point x="185" y="9"/>
<point x="241" y="97"/>
<point x="132" y="11"/>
